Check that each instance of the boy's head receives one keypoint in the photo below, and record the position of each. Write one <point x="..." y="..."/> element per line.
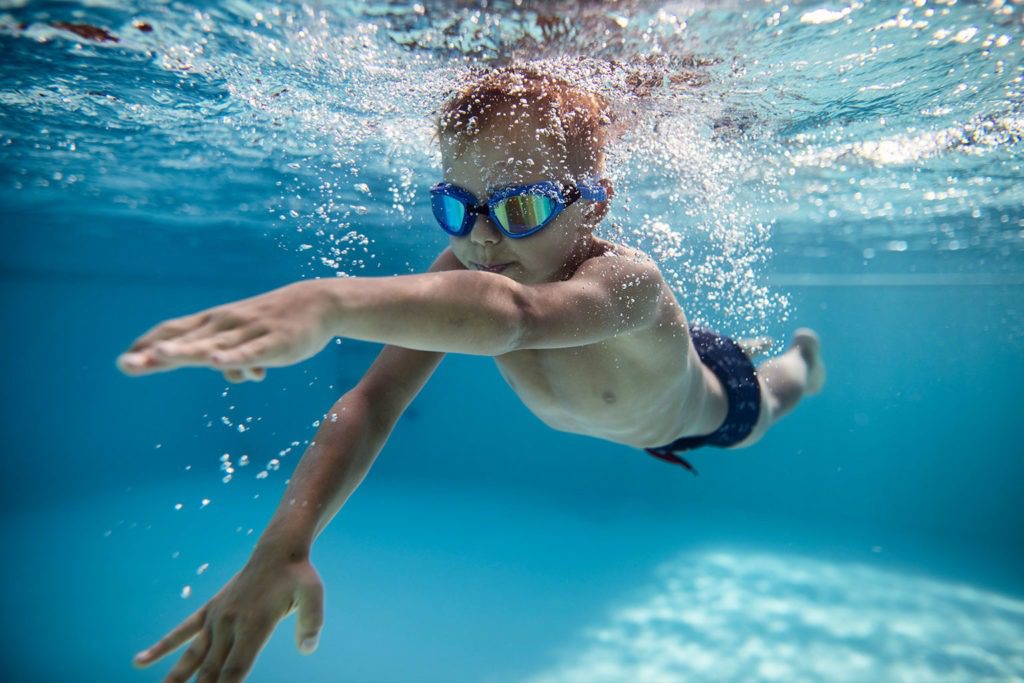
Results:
<point x="515" y="126"/>
<point x="571" y="119"/>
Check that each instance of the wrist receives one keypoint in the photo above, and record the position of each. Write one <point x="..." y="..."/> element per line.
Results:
<point x="329" y="302"/>
<point x="287" y="537"/>
<point x="279" y="550"/>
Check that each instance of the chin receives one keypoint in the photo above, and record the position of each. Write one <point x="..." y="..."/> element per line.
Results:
<point x="512" y="275"/>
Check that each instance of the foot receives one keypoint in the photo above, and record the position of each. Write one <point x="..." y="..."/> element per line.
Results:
<point x="806" y="340"/>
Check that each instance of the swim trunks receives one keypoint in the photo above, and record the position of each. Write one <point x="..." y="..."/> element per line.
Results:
<point x="726" y="359"/>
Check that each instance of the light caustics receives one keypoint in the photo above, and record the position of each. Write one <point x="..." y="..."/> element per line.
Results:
<point x="734" y="616"/>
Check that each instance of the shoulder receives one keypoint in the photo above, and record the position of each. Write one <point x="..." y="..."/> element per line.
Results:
<point x="619" y="263"/>
<point x="625" y="279"/>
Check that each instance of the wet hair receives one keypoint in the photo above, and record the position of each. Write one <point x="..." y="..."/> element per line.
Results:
<point x="576" y="118"/>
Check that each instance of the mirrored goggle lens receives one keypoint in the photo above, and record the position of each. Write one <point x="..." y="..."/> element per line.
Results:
<point x="449" y="212"/>
<point x="524" y="212"/>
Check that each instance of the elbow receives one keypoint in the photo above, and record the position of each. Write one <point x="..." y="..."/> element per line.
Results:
<point x="519" y="321"/>
<point x="501" y="323"/>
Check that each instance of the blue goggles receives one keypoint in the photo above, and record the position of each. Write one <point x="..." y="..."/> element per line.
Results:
<point x="518" y="211"/>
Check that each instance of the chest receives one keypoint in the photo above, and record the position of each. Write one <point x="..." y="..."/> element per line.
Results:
<point x="568" y="386"/>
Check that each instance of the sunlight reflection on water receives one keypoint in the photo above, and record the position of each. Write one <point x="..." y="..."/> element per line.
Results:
<point x="735" y="616"/>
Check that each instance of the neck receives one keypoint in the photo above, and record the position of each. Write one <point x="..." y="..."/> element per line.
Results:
<point x="585" y="248"/>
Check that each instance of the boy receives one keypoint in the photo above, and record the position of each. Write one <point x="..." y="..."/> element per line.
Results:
<point x="585" y="331"/>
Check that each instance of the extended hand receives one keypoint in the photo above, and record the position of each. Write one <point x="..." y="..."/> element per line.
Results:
<point x="230" y="630"/>
<point x="281" y="327"/>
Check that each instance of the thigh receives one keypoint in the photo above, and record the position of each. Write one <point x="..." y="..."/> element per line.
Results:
<point x="765" y="417"/>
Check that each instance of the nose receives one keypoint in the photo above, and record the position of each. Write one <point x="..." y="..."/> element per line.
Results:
<point x="484" y="232"/>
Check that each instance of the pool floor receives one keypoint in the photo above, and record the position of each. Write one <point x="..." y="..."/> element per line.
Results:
<point x="443" y="583"/>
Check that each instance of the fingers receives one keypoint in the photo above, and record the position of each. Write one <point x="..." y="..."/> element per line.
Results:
<point x="197" y="350"/>
<point x="187" y="341"/>
<point x="262" y="350"/>
<point x="243" y="374"/>
<point x="223" y="637"/>
<point x="139" y="359"/>
<point x="189" y="350"/>
<point x="141" y="363"/>
<point x="223" y="654"/>
<point x="310" y="597"/>
<point x="256" y="374"/>
<point x="247" y="645"/>
<point x="191" y="660"/>
<point x="170" y="329"/>
<point x="173" y="640"/>
<point x="145" y="363"/>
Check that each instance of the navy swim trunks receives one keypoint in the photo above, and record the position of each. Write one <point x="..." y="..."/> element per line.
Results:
<point x="726" y="359"/>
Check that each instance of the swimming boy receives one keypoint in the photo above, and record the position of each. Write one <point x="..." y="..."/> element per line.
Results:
<point x="585" y="331"/>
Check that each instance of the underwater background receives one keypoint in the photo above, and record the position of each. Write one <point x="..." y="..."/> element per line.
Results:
<point x="854" y="167"/>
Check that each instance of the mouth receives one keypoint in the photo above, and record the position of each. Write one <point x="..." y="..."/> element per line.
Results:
<point x="490" y="267"/>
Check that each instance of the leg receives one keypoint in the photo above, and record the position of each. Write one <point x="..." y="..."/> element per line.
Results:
<point x="786" y="379"/>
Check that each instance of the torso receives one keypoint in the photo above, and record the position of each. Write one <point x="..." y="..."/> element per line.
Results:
<point x="644" y="388"/>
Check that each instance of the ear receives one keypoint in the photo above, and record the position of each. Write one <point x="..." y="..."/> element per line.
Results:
<point x="598" y="210"/>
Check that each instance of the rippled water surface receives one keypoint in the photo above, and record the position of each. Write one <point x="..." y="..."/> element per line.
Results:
<point x="863" y="137"/>
<point x="853" y="166"/>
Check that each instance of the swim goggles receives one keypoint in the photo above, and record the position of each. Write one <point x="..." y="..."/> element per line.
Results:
<point x="518" y="211"/>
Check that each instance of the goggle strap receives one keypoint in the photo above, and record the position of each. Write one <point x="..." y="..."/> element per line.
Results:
<point x="592" y="191"/>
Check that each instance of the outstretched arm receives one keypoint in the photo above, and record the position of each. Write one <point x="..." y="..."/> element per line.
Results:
<point x="228" y="632"/>
<point x="456" y="311"/>
<point x="488" y="314"/>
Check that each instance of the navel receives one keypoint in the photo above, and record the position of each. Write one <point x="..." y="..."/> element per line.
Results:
<point x="608" y="396"/>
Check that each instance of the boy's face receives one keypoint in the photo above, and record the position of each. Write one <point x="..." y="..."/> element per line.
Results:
<point x="512" y="152"/>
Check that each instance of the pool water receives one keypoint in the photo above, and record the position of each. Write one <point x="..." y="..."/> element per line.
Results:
<point x="852" y="167"/>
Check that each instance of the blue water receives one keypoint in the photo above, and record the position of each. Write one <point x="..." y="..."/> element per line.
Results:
<point x="862" y="162"/>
